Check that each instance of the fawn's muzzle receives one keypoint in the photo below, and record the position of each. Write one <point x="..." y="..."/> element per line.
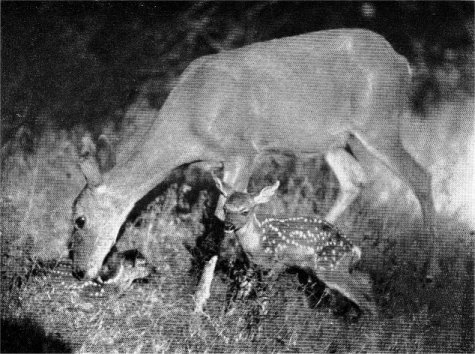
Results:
<point x="228" y="226"/>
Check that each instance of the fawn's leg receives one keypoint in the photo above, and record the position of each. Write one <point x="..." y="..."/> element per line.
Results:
<point x="355" y="286"/>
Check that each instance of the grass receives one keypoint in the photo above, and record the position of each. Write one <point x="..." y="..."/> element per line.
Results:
<point x="43" y="312"/>
<point x="175" y="231"/>
<point x="157" y="316"/>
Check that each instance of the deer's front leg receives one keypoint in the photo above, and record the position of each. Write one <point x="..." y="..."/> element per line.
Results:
<point x="351" y="177"/>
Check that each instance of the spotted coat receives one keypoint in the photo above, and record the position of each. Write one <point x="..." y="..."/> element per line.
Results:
<point x="298" y="238"/>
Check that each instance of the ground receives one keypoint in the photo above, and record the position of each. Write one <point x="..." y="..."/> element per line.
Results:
<point x="175" y="230"/>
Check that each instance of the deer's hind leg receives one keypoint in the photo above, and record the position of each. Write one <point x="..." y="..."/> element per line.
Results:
<point x="391" y="153"/>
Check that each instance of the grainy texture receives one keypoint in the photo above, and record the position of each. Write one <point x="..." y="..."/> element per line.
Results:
<point x="92" y="68"/>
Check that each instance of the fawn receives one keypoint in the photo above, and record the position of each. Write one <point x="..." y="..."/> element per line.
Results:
<point x="310" y="244"/>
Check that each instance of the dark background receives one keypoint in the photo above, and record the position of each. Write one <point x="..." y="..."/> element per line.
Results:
<point x="69" y="63"/>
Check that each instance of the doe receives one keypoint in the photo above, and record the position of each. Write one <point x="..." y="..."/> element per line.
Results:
<point x="310" y="244"/>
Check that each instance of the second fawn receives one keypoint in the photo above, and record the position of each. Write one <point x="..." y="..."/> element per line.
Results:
<point x="310" y="244"/>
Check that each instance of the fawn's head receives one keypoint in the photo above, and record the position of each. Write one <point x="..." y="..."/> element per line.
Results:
<point x="239" y="208"/>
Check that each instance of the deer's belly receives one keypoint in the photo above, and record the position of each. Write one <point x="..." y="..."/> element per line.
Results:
<point x="300" y="141"/>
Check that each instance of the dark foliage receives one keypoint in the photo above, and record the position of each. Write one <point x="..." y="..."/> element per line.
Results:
<point x="81" y="62"/>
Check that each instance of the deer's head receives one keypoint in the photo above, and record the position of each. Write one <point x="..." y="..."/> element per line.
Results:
<point x="96" y="218"/>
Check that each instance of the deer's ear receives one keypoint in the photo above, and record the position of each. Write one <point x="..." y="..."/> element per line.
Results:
<point x="88" y="162"/>
<point x="266" y="194"/>
<point x="222" y="186"/>
<point x="105" y="154"/>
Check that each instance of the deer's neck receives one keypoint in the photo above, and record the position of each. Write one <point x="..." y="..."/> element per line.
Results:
<point x="250" y="236"/>
<point x="168" y="144"/>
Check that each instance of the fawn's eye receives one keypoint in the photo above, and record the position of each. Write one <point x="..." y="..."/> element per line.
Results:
<point x="80" y="222"/>
<point x="245" y="212"/>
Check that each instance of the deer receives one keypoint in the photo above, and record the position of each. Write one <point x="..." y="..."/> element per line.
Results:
<point x="307" y="243"/>
<point x="338" y="93"/>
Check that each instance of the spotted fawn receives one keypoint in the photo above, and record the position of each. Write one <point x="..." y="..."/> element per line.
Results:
<point x="311" y="244"/>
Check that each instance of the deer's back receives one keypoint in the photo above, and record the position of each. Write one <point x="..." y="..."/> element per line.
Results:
<point x="317" y="87"/>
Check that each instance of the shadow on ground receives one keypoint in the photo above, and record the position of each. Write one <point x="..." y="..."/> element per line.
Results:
<point x="27" y="336"/>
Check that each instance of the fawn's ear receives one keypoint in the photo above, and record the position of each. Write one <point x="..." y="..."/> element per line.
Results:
<point x="222" y="186"/>
<point x="266" y="194"/>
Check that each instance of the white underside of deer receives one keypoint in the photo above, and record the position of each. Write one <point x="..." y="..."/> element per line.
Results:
<point x="310" y="94"/>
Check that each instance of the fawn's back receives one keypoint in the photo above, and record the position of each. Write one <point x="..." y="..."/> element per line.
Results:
<point x="304" y="242"/>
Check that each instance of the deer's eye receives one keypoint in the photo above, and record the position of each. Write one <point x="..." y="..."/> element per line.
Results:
<point x="80" y="222"/>
<point x="245" y="212"/>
